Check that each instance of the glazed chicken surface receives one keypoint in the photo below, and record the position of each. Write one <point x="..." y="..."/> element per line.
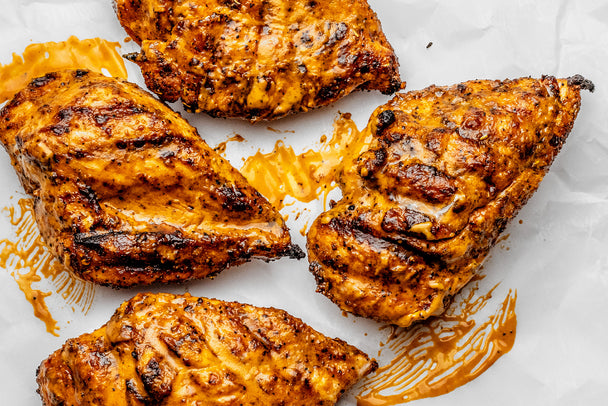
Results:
<point x="165" y="349"/>
<point x="432" y="182"/>
<point x="125" y="191"/>
<point x="258" y="60"/>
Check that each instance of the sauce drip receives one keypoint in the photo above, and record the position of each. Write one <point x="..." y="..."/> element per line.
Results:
<point x="274" y="130"/>
<point x="39" y="59"/>
<point x="304" y="229"/>
<point x="304" y="177"/>
<point x="442" y="354"/>
<point x="29" y="261"/>
<point x="221" y="147"/>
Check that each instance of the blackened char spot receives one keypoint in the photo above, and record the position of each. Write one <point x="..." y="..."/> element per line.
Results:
<point x="134" y="390"/>
<point x="60" y="129"/>
<point x="294" y="251"/>
<point x="395" y="85"/>
<point x="80" y="73"/>
<point x="331" y="91"/>
<point x="371" y="161"/>
<point x="233" y="199"/>
<point x="323" y="285"/>
<point x="338" y="34"/>
<point x="555" y="141"/>
<point x="135" y="57"/>
<point x="385" y="119"/>
<point x="152" y="378"/>
<point x="65" y="114"/>
<point x="580" y="81"/>
<point x="43" y="80"/>
<point x="91" y="198"/>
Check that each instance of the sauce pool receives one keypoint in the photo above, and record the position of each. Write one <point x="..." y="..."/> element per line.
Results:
<point x="305" y="176"/>
<point x="39" y="59"/>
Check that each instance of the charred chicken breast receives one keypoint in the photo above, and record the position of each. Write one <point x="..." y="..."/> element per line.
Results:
<point x="259" y="60"/>
<point x="125" y="191"/>
<point x="435" y="178"/>
<point x="168" y="350"/>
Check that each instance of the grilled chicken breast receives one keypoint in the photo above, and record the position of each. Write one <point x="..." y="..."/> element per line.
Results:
<point x="434" y="180"/>
<point x="259" y="60"/>
<point x="164" y="349"/>
<point x="125" y="191"/>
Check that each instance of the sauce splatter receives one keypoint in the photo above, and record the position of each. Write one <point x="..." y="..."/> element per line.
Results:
<point x="442" y="354"/>
<point x="304" y="229"/>
<point x="39" y="59"/>
<point x="221" y="147"/>
<point x="304" y="177"/>
<point x="29" y="261"/>
<point x="274" y="130"/>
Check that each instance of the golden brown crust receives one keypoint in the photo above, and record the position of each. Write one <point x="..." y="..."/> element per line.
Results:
<point x="260" y="60"/>
<point x="125" y="191"/>
<point x="437" y="175"/>
<point x="167" y="350"/>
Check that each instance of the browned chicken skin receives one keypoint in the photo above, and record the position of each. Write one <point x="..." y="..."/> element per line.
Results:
<point x="435" y="178"/>
<point x="167" y="350"/>
<point x="125" y="191"/>
<point x="258" y="59"/>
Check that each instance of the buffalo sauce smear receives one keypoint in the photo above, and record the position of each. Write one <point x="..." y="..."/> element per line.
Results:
<point x="437" y="356"/>
<point x="39" y="59"/>
<point x="221" y="147"/>
<point x="304" y="177"/>
<point x="29" y="261"/>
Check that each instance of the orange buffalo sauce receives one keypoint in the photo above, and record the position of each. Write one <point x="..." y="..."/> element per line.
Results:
<point x="435" y="357"/>
<point x="29" y="261"/>
<point x="39" y="59"/>
<point x="305" y="176"/>
<point x="221" y="147"/>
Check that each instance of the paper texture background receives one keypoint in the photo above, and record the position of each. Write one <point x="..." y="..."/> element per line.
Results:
<point x="556" y="258"/>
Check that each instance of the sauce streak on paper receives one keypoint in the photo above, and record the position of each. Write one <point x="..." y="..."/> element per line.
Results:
<point x="221" y="147"/>
<point x="39" y="59"/>
<point x="442" y="354"/>
<point x="306" y="176"/>
<point x="29" y="261"/>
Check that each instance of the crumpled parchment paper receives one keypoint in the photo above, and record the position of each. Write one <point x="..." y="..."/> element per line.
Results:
<point x="556" y="257"/>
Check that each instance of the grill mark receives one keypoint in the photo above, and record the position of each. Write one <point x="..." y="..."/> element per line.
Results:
<point x="102" y="117"/>
<point x="155" y="379"/>
<point x="43" y="80"/>
<point x="428" y="182"/>
<point x="96" y="240"/>
<point x="132" y="388"/>
<point x="90" y="197"/>
<point x="401" y="219"/>
<point x="233" y="199"/>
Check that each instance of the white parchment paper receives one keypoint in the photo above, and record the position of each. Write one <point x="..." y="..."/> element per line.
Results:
<point x="556" y="257"/>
